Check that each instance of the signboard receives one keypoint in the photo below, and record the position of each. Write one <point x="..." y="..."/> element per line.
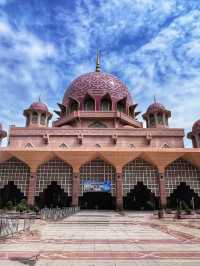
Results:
<point x="97" y="186"/>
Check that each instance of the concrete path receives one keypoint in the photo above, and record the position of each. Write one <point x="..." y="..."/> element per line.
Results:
<point x="106" y="238"/>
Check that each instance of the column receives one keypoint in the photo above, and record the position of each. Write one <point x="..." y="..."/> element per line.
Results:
<point x="31" y="189"/>
<point x="119" y="192"/>
<point x="164" y="119"/>
<point x="75" y="189"/>
<point x="162" y="192"/>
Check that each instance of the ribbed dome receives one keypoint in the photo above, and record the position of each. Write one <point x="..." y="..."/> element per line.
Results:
<point x="39" y="106"/>
<point x="155" y="107"/>
<point x="97" y="84"/>
<point x="196" y="126"/>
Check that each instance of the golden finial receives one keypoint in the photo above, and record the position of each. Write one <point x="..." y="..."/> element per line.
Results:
<point x="98" y="68"/>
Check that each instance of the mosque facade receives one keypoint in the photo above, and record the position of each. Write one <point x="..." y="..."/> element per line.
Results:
<point x="98" y="154"/>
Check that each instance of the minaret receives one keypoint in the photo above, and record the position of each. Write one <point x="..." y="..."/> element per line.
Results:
<point x="156" y="115"/>
<point x="98" y="68"/>
<point x="37" y="115"/>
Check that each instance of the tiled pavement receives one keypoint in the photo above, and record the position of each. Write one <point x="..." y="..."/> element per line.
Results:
<point x="106" y="238"/>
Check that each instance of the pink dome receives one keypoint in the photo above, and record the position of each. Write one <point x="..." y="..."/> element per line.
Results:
<point x="39" y="106"/>
<point x="156" y="107"/>
<point x="97" y="84"/>
<point x="196" y="126"/>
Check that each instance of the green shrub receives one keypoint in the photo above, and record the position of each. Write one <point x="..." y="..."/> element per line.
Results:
<point x="22" y="206"/>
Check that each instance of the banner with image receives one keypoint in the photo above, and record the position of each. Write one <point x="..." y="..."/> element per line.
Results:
<point x="97" y="186"/>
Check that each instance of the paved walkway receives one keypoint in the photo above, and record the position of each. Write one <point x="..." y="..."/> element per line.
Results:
<point x="106" y="238"/>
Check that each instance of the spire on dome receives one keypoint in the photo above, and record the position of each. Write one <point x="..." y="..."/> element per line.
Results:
<point x="154" y="98"/>
<point x="98" y="68"/>
<point x="39" y="99"/>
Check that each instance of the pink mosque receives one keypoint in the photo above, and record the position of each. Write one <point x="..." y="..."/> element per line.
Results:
<point x="98" y="154"/>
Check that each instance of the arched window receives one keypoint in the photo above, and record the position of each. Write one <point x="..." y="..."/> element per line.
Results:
<point x="43" y="119"/>
<point x="121" y="106"/>
<point x="106" y="103"/>
<point x="152" y="120"/>
<point x="73" y="106"/>
<point x="89" y="104"/>
<point x="34" y="117"/>
<point x="160" y="118"/>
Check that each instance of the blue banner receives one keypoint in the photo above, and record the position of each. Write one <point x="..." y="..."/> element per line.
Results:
<point x="97" y="186"/>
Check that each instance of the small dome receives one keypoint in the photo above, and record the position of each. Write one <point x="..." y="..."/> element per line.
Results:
<point x="97" y="84"/>
<point x="39" y="106"/>
<point x="156" y="107"/>
<point x="196" y="126"/>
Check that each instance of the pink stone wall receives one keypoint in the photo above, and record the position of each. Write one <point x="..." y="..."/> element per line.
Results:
<point x="19" y="137"/>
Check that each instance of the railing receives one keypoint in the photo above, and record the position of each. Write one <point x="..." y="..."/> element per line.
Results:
<point x="57" y="213"/>
<point x="11" y="224"/>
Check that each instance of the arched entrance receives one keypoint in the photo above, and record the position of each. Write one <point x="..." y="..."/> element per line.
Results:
<point x="140" y="198"/>
<point x="54" y="176"/>
<point x="97" y="179"/>
<point x="14" y="176"/>
<point x="97" y="200"/>
<point x="185" y="196"/>
<point x="10" y="193"/>
<point x="53" y="196"/>
<point x="182" y="182"/>
<point x="140" y="185"/>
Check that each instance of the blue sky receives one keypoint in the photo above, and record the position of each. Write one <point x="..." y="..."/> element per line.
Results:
<point x="152" y="45"/>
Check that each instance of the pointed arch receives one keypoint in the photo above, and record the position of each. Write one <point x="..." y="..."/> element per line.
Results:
<point x="140" y="170"/>
<point x="121" y="105"/>
<point x="34" y="117"/>
<point x="28" y="145"/>
<point x="15" y="171"/>
<point x="53" y="196"/>
<point x="140" y="198"/>
<point x="106" y="103"/>
<point x="73" y="105"/>
<point x="89" y="103"/>
<point x="43" y="119"/>
<point x="179" y="171"/>
<point x="54" y="170"/>
<point x="97" y="170"/>
<point x="10" y="193"/>
<point x="184" y="195"/>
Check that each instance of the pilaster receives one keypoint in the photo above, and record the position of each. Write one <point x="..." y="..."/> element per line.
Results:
<point x="75" y="189"/>
<point x="119" y="192"/>
<point x="162" y="192"/>
<point x="31" y="189"/>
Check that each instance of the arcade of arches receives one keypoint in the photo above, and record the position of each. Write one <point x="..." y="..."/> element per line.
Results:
<point x="98" y="185"/>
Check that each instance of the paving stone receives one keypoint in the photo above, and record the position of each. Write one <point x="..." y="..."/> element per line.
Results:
<point x="106" y="238"/>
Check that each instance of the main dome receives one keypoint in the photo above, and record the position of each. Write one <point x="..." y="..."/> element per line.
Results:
<point x="97" y="84"/>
